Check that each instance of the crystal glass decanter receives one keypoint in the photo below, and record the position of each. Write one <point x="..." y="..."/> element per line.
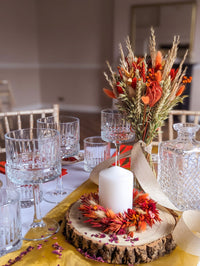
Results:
<point x="179" y="167"/>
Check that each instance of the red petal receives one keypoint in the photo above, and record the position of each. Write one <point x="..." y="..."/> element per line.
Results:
<point x="109" y="93"/>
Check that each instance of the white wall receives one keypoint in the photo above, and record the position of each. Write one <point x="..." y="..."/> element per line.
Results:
<point x="19" y="51"/>
<point x="75" y="39"/>
<point x="55" y="50"/>
<point x="158" y="15"/>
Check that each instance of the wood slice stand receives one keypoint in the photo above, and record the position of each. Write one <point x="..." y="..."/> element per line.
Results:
<point x="152" y="244"/>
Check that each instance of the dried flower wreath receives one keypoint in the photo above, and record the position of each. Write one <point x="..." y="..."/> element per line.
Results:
<point x="144" y="213"/>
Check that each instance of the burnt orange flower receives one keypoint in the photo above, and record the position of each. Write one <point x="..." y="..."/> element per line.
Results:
<point x="158" y="76"/>
<point x="142" y="225"/>
<point x="153" y="94"/>
<point x="109" y="93"/>
<point x="158" y="62"/>
<point x="186" y="79"/>
<point x="181" y="90"/>
<point x="110" y="213"/>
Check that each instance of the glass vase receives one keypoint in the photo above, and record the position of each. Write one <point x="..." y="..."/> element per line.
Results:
<point x="179" y="167"/>
<point x="147" y="150"/>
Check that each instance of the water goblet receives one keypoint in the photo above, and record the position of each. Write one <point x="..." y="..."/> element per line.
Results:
<point x="69" y="128"/>
<point x="116" y="129"/>
<point x="33" y="157"/>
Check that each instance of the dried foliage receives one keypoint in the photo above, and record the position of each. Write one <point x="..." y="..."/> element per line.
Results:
<point x="146" y="89"/>
<point x="144" y="213"/>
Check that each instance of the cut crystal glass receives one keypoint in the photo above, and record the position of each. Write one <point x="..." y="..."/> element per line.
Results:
<point x="179" y="167"/>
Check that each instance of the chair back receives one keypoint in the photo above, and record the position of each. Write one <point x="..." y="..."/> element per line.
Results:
<point x="6" y="96"/>
<point x="22" y="119"/>
<point x="176" y="116"/>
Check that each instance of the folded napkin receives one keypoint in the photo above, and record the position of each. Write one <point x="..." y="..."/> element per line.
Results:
<point x="124" y="162"/>
<point x="2" y="167"/>
<point x="3" y="164"/>
<point x="64" y="172"/>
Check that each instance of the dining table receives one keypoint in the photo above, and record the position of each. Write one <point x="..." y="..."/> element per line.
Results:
<point x="77" y="181"/>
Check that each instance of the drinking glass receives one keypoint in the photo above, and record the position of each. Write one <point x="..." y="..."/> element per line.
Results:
<point x="115" y="129"/>
<point x="33" y="157"/>
<point x="69" y="128"/>
<point x="10" y="221"/>
<point x="26" y="193"/>
<point x="96" y="151"/>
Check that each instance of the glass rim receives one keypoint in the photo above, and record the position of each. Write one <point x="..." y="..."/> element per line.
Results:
<point x="189" y="126"/>
<point x="14" y="194"/>
<point x="112" y="113"/>
<point x="111" y="110"/>
<point x="7" y="137"/>
<point x="86" y="140"/>
<point x="76" y="120"/>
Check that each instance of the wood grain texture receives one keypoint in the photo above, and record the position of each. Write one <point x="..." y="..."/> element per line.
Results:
<point x="117" y="253"/>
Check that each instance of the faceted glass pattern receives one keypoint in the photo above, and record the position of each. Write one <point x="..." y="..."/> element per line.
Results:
<point x="179" y="168"/>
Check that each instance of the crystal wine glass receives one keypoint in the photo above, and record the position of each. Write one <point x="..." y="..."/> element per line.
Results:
<point x="69" y="128"/>
<point x="116" y="129"/>
<point x="33" y="157"/>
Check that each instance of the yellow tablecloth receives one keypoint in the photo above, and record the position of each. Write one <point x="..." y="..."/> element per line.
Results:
<point x="70" y="256"/>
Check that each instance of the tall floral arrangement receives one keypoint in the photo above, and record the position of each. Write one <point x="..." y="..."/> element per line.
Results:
<point x="147" y="88"/>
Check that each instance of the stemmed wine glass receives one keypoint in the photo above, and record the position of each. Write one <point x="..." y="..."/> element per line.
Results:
<point x="69" y="128"/>
<point x="33" y="157"/>
<point x="116" y="129"/>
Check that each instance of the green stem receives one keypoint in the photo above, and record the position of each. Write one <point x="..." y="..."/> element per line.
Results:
<point x="145" y="107"/>
<point x="145" y="130"/>
<point x="117" y="146"/>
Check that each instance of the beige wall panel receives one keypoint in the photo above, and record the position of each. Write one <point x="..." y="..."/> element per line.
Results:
<point x="77" y="89"/>
<point x="75" y="40"/>
<point x="19" y="51"/>
<point x="24" y="83"/>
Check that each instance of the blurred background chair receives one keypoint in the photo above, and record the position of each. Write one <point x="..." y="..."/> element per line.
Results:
<point x="6" y="96"/>
<point x="22" y="119"/>
<point x="176" y="116"/>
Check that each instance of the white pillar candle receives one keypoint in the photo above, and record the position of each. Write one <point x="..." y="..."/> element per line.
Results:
<point x="116" y="189"/>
